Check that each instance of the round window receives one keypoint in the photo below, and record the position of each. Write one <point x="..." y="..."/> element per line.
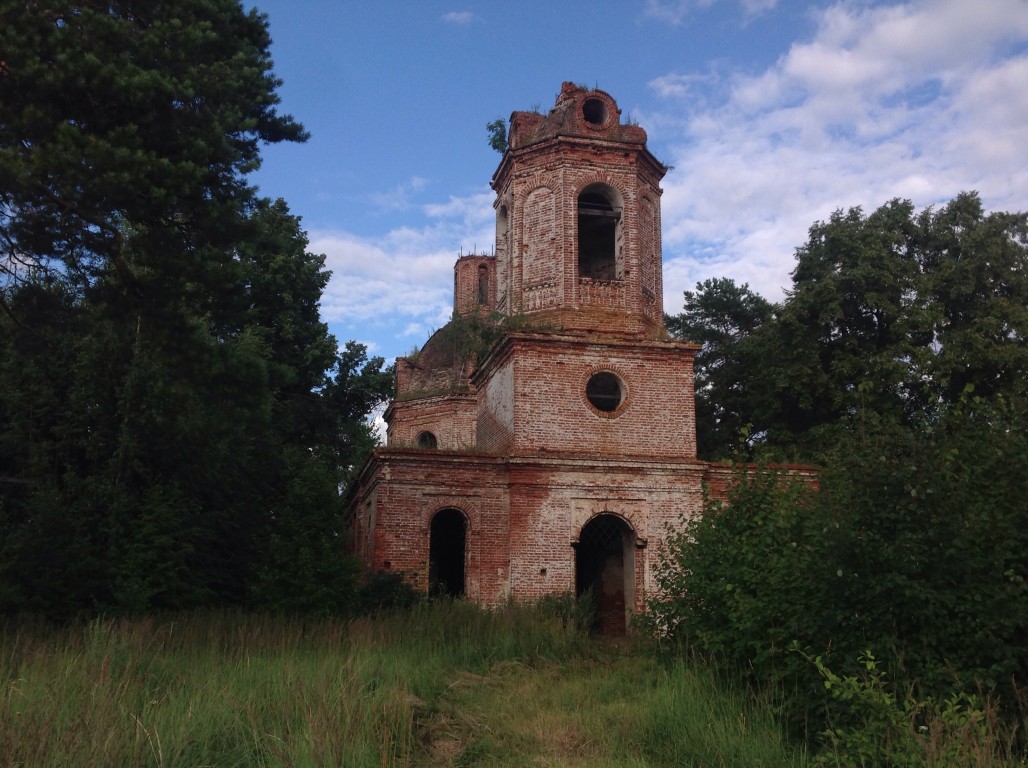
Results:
<point x="604" y="391"/>
<point x="427" y="440"/>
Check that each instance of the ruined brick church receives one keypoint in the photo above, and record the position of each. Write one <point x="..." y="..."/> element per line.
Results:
<point x="544" y="439"/>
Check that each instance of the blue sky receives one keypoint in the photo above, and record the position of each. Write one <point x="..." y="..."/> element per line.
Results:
<point x="773" y="113"/>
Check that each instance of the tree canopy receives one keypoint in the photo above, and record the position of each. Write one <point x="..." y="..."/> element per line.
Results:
<point x="721" y="316"/>
<point x="898" y="313"/>
<point x="898" y="362"/>
<point x="170" y="429"/>
<point x="130" y="118"/>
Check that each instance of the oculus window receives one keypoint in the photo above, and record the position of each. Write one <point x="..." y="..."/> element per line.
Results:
<point x="605" y="392"/>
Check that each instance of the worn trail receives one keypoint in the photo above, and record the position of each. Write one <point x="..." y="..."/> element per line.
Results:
<point x="579" y="714"/>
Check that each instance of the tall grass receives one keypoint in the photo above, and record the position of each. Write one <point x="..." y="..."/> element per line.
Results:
<point x="609" y="708"/>
<point x="694" y="719"/>
<point x="233" y="689"/>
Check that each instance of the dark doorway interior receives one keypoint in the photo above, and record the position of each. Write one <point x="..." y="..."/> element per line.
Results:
<point x="604" y="565"/>
<point x="446" y="545"/>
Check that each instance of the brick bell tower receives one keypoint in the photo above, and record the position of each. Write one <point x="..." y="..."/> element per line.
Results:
<point x="578" y="262"/>
<point x="548" y="451"/>
<point x="578" y="218"/>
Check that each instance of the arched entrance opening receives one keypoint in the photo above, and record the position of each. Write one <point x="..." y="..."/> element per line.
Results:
<point x="447" y="543"/>
<point x="605" y="570"/>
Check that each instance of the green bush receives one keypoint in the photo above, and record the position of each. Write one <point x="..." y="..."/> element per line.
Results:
<point x="741" y="583"/>
<point x="383" y="591"/>
<point x="883" y="729"/>
<point x="934" y="534"/>
<point x="916" y="545"/>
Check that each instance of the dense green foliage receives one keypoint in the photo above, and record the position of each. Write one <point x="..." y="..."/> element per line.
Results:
<point x="914" y="547"/>
<point x="175" y="419"/>
<point x="897" y="313"/>
<point x="881" y="726"/>
<point x="720" y="316"/>
<point x="899" y="363"/>
<point x="497" y="130"/>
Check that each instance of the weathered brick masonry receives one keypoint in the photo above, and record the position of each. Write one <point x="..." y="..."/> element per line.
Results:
<point x="549" y="453"/>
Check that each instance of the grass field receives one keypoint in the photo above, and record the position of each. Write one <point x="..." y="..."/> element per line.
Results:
<point x="440" y="685"/>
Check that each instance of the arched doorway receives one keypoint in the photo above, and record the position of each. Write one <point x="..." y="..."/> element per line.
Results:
<point x="447" y="540"/>
<point x="605" y="569"/>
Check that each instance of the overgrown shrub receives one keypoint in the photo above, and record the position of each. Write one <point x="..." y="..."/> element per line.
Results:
<point x="742" y="583"/>
<point x="885" y="729"/>
<point x="382" y="590"/>
<point x="934" y="534"/>
<point x="915" y="546"/>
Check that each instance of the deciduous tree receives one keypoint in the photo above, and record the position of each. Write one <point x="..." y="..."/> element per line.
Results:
<point x="722" y="317"/>
<point x="895" y="313"/>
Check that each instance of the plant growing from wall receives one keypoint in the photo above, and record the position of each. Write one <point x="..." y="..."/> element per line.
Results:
<point x="497" y="130"/>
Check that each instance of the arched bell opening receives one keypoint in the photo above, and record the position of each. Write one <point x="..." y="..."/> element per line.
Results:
<point x="605" y="571"/>
<point x="599" y="233"/>
<point x="447" y="551"/>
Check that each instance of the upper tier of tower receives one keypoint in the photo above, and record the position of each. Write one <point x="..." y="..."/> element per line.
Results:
<point x="578" y="219"/>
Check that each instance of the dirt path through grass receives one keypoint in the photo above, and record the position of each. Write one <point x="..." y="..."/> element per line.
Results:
<point x="616" y="706"/>
<point x="584" y="713"/>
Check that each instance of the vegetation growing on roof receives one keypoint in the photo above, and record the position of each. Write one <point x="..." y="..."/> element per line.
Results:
<point x="497" y="134"/>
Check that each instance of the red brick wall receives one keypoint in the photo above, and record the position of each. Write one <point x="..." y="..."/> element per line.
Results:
<point x="524" y="516"/>
<point x="539" y="191"/>
<point x="466" y="276"/>
<point x="551" y="501"/>
<point x="494" y="422"/>
<point x="551" y="160"/>
<point x="540" y="259"/>
<point x="542" y="266"/>
<point x="534" y="398"/>
<point x="451" y="418"/>
<point x="411" y="487"/>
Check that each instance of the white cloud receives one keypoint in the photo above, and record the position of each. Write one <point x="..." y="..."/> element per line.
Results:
<point x="674" y="12"/>
<point x="919" y="100"/>
<point x="406" y="273"/>
<point x="474" y="211"/>
<point x="677" y="86"/>
<point x="399" y="197"/>
<point x="667" y="12"/>
<point x="757" y="7"/>
<point x="462" y="18"/>
<point x="371" y="279"/>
